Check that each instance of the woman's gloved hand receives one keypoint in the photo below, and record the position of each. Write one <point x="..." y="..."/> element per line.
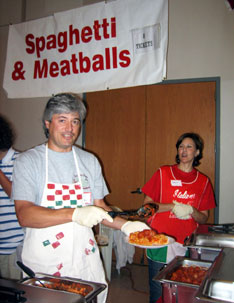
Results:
<point x="133" y="226"/>
<point x="182" y="211"/>
<point x="90" y="215"/>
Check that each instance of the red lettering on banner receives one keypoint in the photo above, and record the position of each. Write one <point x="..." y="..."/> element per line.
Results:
<point x="98" y="63"/>
<point x="40" y="45"/>
<point x="72" y="33"/>
<point x="74" y="64"/>
<point x="107" y="53"/>
<point x="31" y="45"/>
<point x="105" y="25"/>
<point x="86" y="34"/>
<point x="62" y="42"/>
<point x="96" y="27"/>
<point x="54" y="69"/>
<point x="124" y="57"/>
<point x="51" y="43"/>
<point x="40" y="72"/>
<point x="82" y="64"/>
<point x="113" y="28"/>
<point x="114" y="56"/>
<point x="18" y="73"/>
<point x="73" y="36"/>
<point x="65" y="68"/>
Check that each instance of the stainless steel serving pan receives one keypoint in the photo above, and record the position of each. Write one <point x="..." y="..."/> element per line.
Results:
<point x="219" y="284"/>
<point x="174" y="264"/>
<point x="179" y="292"/>
<point x="16" y="292"/>
<point x="217" y="291"/>
<point x="211" y="241"/>
<point x="93" y="289"/>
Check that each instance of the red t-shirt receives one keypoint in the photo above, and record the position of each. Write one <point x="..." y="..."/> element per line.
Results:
<point x="170" y="184"/>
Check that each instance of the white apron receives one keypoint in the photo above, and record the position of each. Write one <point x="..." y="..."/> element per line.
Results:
<point x="67" y="249"/>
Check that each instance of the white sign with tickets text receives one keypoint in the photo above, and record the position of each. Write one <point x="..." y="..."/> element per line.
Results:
<point x="102" y="46"/>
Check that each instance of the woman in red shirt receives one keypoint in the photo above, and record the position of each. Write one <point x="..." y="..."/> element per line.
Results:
<point x="184" y="196"/>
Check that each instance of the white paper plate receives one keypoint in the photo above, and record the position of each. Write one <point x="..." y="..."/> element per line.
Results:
<point x="170" y="241"/>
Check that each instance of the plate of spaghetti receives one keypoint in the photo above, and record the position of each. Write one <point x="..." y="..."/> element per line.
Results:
<point x="149" y="238"/>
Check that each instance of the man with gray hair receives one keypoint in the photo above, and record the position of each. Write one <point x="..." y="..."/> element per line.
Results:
<point x="59" y="193"/>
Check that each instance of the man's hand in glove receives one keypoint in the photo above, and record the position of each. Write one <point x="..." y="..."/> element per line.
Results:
<point x="133" y="226"/>
<point x="90" y="215"/>
<point x="182" y="211"/>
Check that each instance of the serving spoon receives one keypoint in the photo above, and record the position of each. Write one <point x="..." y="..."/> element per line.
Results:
<point x="29" y="272"/>
<point x="146" y="210"/>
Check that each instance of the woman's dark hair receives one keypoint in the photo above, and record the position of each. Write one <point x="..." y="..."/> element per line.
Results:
<point x="6" y="134"/>
<point x="198" y="143"/>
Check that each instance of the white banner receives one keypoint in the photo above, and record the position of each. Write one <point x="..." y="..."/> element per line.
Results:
<point x="107" y="45"/>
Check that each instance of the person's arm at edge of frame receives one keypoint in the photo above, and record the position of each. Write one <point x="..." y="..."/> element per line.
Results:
<point x="200" y="217"/>
<point x="162" y="207"/>
<point x="5" y="183"/>
<point x="34" y="216"/>
<point x="118" y="221"/>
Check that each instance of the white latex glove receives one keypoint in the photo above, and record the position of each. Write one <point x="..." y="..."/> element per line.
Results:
<point x="182" y="211"/>
<point x="133" y="226"/>
<point x="90" y="215"/>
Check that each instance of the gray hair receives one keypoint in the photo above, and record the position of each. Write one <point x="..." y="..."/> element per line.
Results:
<point x="63" y="103"/>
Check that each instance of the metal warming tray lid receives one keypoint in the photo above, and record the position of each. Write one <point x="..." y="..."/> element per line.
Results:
<point x="67" y="287"/>
<point x="219" y="284"/>
<point x="217" y="291"/>
<point x="211" y="241"/>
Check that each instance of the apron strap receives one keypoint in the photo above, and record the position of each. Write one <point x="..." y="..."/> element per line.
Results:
<point x="76" y="164"/>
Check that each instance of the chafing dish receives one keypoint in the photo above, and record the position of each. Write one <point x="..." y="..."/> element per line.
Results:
<point x="219" y="283"/>
<point x="214" y="290"/>
<point x="178" y="261"/>
<point x="181" y="292"/>
<point x="227" y="228"/>
<point x="16" y="292"/>
<point x="211" y="241"/>
<point x="89" y="289"/>
<point x="29" y="290"/>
